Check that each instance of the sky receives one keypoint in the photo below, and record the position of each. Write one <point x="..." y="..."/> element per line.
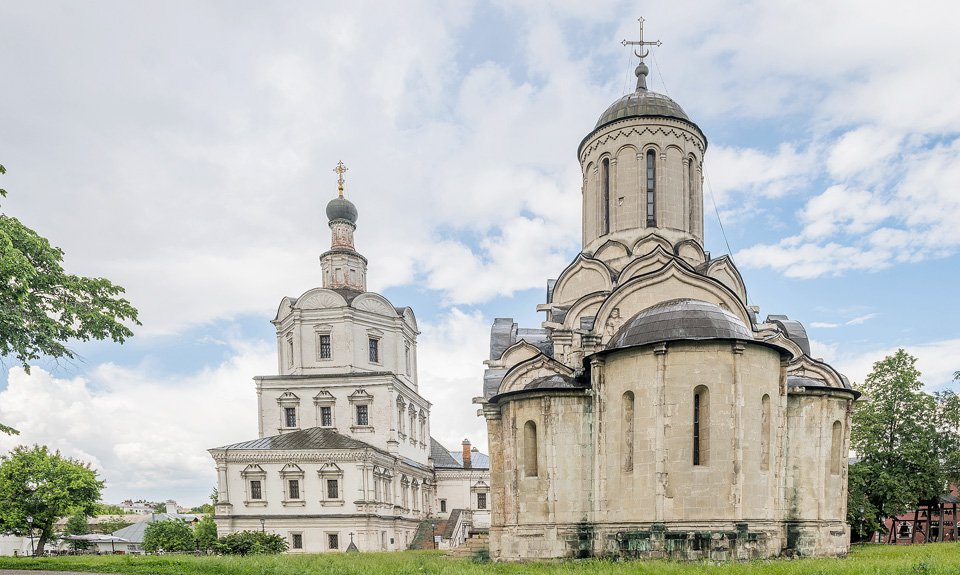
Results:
<point x="185" y="150"/>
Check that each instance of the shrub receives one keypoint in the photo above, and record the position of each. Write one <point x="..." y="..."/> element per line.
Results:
<point x="169" y="536"/>
<point x="251" y="543"/>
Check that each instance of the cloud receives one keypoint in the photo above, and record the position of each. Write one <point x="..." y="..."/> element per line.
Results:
<point x="936" y="360"/>
<point x="146" y="436"/>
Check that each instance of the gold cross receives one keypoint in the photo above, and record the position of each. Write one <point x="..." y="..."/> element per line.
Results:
<point x="640" y="43"/>
<point x="340" y="170"/>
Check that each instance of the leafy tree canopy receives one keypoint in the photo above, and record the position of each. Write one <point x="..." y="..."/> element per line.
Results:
<point x="110" y="509"/>
<point x="45" y="486"/>
<point x="899" y="435"/>
<point x="77" y="525"/>
<point x="205" y="533"/>
<point x="42" y="307"/>
<point x="173" y="535"/>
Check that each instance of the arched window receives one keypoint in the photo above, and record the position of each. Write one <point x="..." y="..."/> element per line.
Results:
<point x="651" y="188"/>
<point x="835" y="448"/>
<point x="628" y="432"/>
<point x="701" y="425"/>
<point x="530" y="449"/>
<point x="765" y="433"/>
<point x="692" y="192"/>
<point x="605" y="196"/>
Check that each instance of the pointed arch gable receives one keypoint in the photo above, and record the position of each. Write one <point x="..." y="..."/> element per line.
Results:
<point x="520" y="375"/>
<point x="725" y="271"/>
<point x="649" y="242"/>
<point x="584" y="275"/>
<point x="610" y="252"/>
<point x="691" y="251"/>
<point x="518" y="353"/>
<point x="651" y="261"/>
<point x="779" y="339"/>
<point x="319" y="298"/>
<point x="672" y="281"/>
<point x="586" y="306"/>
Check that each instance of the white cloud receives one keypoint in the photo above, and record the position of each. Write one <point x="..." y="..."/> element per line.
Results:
<point x="146" y="435"/>
<point x="450" y="356"/>
<point x="746" y="173"/>
<point x="936" y="360"/>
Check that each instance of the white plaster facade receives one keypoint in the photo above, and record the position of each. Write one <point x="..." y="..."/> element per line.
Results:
<point x="344" y="452"/>
<point x="654" y="414"/>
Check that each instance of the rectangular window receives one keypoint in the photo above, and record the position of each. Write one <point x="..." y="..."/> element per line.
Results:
<point x="294" y="488"/>
<point x="255" y="492"/>
<point x="406" y="357"/>
<point x="289" y="352"/>
<point x="374" y="345"/>
<point x="326" y="416"/>
<point x="333" y="541"/>
<point x="696" y="429"/>
<point x="481" y="500"/>
<point x="333" y="489"/>
<point x="297" y="541"/>
<point x="324" y="343"/>
<point x="443" y="506"/>
<point x="362" y="415"/>
<point x="290" y="416"/>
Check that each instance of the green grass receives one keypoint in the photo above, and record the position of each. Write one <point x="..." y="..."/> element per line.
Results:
<point x="913" y="560"/>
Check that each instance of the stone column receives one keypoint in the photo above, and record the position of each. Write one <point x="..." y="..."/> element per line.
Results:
<point x="660" y="430"/>
<point x="598" y="476"/>
<point x="498" y="492"/>
<point x="223" y="491"/>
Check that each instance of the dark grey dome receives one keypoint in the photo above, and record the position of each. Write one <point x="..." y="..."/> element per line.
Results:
<point x="679" y="319"/>
<point x="342" y="209"/>
<point x="639" y="104"/>
<point x="556" y="381"/>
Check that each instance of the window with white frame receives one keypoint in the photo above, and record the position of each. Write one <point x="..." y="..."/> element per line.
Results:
<point x="361" y="402"/>
<point x="296" y="540"/>
<point x="324" y="342"/>
<point x="373" y="348"/>
<point x="289" y="406"/>
<point x="331" y="481"/>
<point x="333" y="541"/>
<point x="324" y="402"/>
<point x="292" y="476"/>
<point x="254" y="478"/>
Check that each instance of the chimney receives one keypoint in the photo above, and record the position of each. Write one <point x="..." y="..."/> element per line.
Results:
<point x="466" y="454"/>
<point x="171" y="506"/>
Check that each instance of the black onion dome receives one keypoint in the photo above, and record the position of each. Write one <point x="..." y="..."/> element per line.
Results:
<point x="342" y="209"/>
<point x="679" y="319"/>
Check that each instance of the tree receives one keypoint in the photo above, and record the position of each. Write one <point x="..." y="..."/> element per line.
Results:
<point x="42" y="307"/>
<point x="205" y="533"/>
<point x="45" y="486"/>
<point x="895" y="436"/>
<point x="111" y="525"/>
<point x="173" y="535"/>
<point x="252" y="543"/>
<point x="109" y="509"/>
<point x="77" y="525"/>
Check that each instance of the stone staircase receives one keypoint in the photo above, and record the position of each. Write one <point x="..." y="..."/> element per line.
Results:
<point x="478" y="541"/>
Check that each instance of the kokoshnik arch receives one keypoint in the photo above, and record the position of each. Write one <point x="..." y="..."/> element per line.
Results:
<point x="653" y="413"/>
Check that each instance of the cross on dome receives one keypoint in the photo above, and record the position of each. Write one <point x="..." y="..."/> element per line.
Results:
<point x="642" y="69"/>
<point x="340" y="170"/>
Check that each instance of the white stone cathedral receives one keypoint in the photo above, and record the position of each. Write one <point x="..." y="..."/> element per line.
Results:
<point x="653" y="413"/>
<point x="344" y="458"/>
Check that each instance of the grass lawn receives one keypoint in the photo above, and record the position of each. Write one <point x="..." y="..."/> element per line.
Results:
<point x="915" y="560"/>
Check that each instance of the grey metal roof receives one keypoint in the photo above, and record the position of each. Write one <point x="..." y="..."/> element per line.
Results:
<point x="555" y="381"/>
<point x="679" y="319"/>
<point x="793" y="329"/>
<point x="342" y="209"/>
<point x="441" y="456"/>
<point x="134" y="533"/>
<point x="477" y="460"/>
<point x="491" y="381"/>
<point x="311" y="438"/>
<point x="639" y="104"/>
<point x="503" y="334"/>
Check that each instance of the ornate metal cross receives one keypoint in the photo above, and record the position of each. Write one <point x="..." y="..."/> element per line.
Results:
<point x="340" y="170"/>
<point x="642" y="53"/>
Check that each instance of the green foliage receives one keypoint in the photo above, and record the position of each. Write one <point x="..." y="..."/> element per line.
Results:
<point x="106" y="509"/>
<point x="251" y="543"/>
<point x="77" y="525"/>
<point x="205" y="533"/>
<point x="896" y="437"/>
<point x="42" y="307"/>
<point x="205" y="509"/>
<point x="45" y="486"/>
<point x="169" y="536"/>
<point x="934" y="558"/>
<point x="111" y="525"/>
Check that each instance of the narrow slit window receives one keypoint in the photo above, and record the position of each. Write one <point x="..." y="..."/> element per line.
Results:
<point x="835" y="448"/>
<point x="701" y="425"/>
<point x="530" y="449"/>
<point x="692" y="192"/>
<point x="651" y="188"/>
<point x="605" y="197"/>
<point x="373" y="345"/>
<point x="765" y="433"/>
